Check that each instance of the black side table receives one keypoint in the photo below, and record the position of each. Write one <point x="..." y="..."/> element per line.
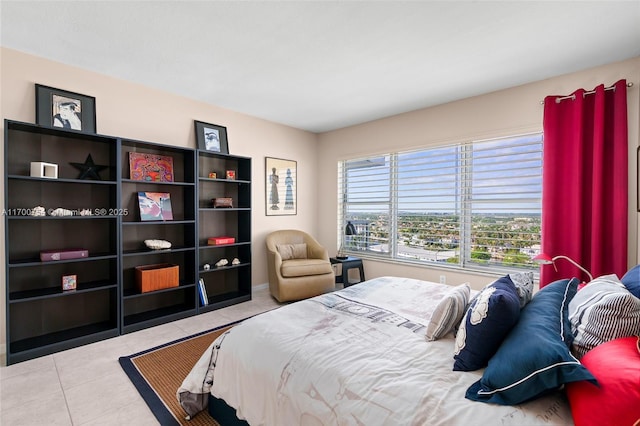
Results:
<point x="348" y="263"/>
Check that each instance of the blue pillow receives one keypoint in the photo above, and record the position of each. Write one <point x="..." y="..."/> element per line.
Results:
<point x="534" y="358"/>
<point x="631" y="280"/>
<point x="486" y="322"/>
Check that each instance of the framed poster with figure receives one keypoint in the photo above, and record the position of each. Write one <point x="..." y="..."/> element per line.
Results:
<point x="281" y="190"/>
<point x="66" y="110"/>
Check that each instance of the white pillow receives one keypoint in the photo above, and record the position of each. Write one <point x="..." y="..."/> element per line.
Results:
<point x="524" y="284"/>
<point x="448" y="312"/>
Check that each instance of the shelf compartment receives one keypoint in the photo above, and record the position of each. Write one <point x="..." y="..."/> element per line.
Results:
<point x="30" y="262"/>
<point x="236" y="223"/>
<point x="59" y="320"/>
<point x="225" y="299"/>
<point x="185" y="261"/>
<point x="207" y="255"/>
<point x="28" y="143"/>
<point x="44" y="293"/>
<point x="182" y="200"/>
<point x="219" y="163"/>
<point x="222" y="282"/>
<point x="48" y="344"/>
<point x="183" y="159"/>
<point x="180" y="234"/>
<point x="239" y="192"/>
<point x="30" y="237"/>
<point x="158" y="307"/>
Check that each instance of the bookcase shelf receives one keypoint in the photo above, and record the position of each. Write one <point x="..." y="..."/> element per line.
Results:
<point x="41" y="317"/>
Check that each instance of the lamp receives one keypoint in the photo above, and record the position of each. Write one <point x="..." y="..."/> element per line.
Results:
<point x="349" y="229"/>
<point x="545" y="259"/>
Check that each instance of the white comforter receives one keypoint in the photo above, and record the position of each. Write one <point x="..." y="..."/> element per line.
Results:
<point x="353" y="357"/>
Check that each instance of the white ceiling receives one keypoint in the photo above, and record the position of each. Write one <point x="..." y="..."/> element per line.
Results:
<point x="319" y="65"/>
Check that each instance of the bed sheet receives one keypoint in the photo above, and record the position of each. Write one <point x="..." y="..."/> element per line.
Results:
<point x="357" y="356"/>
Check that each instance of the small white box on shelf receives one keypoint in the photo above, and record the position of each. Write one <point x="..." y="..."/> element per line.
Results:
<point x="45" y="170"/>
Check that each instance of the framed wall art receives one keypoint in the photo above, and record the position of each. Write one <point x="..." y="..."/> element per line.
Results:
<point x="66" y="110"/>
<point x="150" y="167"/>
<point x="281" y="188"/>
<point x="155" y="206"/>
<point x="211" y="137"/>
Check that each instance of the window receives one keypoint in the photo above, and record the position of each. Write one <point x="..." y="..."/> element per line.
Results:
<point x="471" y="205"/>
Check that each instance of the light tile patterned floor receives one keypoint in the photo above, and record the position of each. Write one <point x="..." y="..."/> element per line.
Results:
<point x="87" y="386"/>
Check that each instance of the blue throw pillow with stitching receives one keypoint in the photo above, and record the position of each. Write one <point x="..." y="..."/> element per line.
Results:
<point x="486" y="322"/>
<point x="534" y="358"/>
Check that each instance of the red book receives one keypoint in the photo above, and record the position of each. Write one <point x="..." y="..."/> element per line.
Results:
<point x="63" y="254"/>
<point x="216" y="241"/>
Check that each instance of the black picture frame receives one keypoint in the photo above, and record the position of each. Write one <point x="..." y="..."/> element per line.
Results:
<point x="206" y="137"/>
<point x="52" y="105"/>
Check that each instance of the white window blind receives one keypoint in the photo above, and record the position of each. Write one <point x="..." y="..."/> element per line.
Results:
<point x="475" y="204"/>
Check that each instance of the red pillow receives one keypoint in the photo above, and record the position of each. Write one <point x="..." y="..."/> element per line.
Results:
<point x="616" y="366"/>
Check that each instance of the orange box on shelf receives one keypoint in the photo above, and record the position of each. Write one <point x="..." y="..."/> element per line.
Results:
<point x="216" y="241"/>
<point x="157" y="277"/>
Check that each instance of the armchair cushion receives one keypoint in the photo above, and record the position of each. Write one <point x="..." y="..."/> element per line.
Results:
<point x="305" y="267"/>
<point x="292" y="251"/>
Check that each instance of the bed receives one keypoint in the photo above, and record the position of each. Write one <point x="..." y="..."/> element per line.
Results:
<point x="357" y="356"/>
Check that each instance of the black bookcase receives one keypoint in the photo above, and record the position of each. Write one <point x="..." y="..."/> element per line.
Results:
<point x="231" y="283"/>
<point x="41" y="318"/>
<point x="142" y="310"/>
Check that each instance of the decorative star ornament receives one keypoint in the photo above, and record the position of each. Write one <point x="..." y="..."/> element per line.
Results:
<point x="89" y="170"/>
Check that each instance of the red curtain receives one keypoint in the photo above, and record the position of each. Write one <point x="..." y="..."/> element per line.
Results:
<point x="585" y="182"/>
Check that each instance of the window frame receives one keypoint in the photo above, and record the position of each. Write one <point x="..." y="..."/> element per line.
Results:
<point x="464" y="198"/>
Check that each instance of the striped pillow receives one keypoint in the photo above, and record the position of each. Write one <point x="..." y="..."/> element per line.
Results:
<point x="448" y="312"/>
<point x="602" y="311"/>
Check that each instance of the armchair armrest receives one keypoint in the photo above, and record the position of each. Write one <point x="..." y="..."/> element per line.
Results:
<point x="316" y="251"/>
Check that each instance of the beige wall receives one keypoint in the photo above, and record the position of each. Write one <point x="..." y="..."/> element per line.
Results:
<point x="507" y="112"/>
<point x="137" y="112"/>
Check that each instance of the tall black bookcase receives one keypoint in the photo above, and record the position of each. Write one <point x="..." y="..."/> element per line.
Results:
<point x="230" y="283"/>
<point x="41" y="318"/>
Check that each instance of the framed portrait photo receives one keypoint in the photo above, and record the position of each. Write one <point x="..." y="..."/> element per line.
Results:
<point x="65" y="110"/>
<point x="211" y="137"/>
<point x="281" y="189"/>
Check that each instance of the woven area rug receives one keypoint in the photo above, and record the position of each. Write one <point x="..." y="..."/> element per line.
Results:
<point x="158" y="372"/>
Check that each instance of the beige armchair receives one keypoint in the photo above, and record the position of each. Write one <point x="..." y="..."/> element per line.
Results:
<point x="298" y="266"/>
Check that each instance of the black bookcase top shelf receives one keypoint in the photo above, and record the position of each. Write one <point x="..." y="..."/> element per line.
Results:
<point x="58" y="132"/>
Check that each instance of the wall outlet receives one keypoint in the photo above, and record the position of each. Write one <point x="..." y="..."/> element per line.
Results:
<point x="443" y="279"/>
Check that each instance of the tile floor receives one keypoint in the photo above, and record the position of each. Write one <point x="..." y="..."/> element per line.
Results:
<point x="87" y="386"/>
